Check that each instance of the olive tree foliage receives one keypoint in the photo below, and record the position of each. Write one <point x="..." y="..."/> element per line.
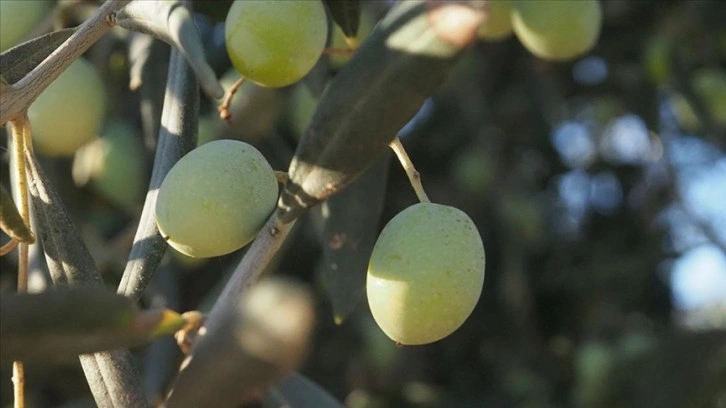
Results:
<point x="580" y="232"/>
<point x="260" y="334"/>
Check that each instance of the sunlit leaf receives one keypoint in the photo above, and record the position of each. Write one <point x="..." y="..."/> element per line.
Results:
<point x="372" y="97"/>
<point x="171" y="21"/>
<point x="177" y="136"/>
<point x="16" y="62"/>
<point x="68" y="258"/>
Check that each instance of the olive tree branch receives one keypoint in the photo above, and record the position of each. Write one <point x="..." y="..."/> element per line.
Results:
<point x="17" y="97"/>
<point x="258" y="256"/>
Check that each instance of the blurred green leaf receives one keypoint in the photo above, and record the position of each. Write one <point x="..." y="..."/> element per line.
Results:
<point x="350" y="228"/>
<point x="171" y="21"/>
<point x="68" y="258"/>
<point x="263" y="337"/>
<point x="63" y="323"/>
<point x="16" y="62"/>
<point x="111" y="376"/>
<point x="372" y="97"/>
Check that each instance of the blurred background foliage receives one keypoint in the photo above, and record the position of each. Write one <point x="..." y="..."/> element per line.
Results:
<point x="598" y="185"/>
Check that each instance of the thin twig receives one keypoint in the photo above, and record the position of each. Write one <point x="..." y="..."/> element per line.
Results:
<point x="20" y="130"/>
<point x="8" y="247"/>
<point x="259" y="255"/>
<point x="21" y="94"/>
<point x="228" y="95"/>
<point x="20" y="134"/>
<point x="413" y="175"/>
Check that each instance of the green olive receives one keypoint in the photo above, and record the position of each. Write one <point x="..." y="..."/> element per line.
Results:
<point x="18" y="18"/>
<point x="114" y="165"/>
<point x="69" y="113"/>
<point x="216" y="199"/>
<point x="275" y="43"/>
<point x="425" y="274"/>
<point x="557" y="30"/>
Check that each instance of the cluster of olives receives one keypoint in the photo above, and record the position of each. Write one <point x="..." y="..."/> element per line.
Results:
<point x="555" y="30"/>
<point x="215" y="199"/>
<point x="425" y="273"/>
<point x="427" y="268"/>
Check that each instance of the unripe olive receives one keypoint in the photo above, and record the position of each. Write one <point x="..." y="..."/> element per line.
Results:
<point x="114" y="165"/>
<point x="498" y="24"/>
<point x="69" y="113"/>
<point x="425" y="273"/>
<point x="216" y="199"/>
<point x="18" y="18"/>
<point x="557" y="29"/>
<point x="275" y="43"/>
<point x="300" y="109"/>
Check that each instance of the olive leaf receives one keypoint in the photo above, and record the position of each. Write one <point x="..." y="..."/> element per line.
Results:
<point x="262" y="338"/>
<point x="350" y="228"/>
<point x="68" y="258"/>
<point x="111" y="375"/>
<point x="16" y="62"/>
<point x="346" y="14"/>
<point x="171" y="21"/>
<point x="177" y="136"/>
<point x="62" y="323"/>
<point x="10" y="220"/>
<point x="404" y="60"/>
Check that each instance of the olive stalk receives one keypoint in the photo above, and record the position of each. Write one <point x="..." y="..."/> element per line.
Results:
<point x="20" y="135"/>
<point x="414" y="177"/>
<point x="224" y="112"/>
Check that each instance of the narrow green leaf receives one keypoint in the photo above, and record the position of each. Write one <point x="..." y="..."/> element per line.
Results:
<point x="177" y="136"/>
<point x="10" y="220"/>
<point x="171" y="21"/>
<point x="16" y="62"/>
<point x="349" y="232"/>
<point x="346" y="14"/>
<point x="111" y="375"/>
<point x="262" y="338"/>
<point x="68" y="258"/>
<point x="63" y="323"/>
<point x="374" y="95"/>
